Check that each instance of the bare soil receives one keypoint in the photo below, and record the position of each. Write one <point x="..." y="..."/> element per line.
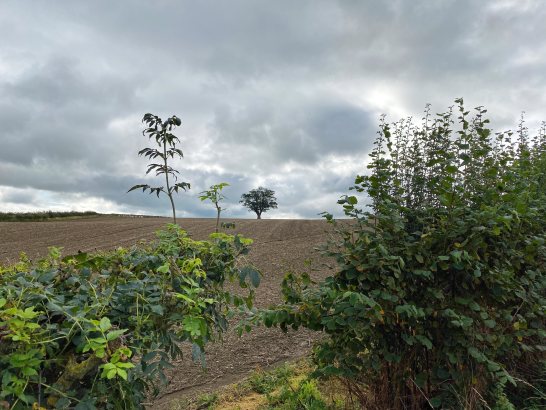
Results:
<point x="279" y="246"/>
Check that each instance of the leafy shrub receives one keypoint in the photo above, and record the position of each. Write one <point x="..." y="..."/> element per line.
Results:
<point x="439" y="298"/>
<point x="98" y="331"/>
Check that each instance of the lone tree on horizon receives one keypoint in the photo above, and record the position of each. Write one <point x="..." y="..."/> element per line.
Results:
<point x="259" y="200"/>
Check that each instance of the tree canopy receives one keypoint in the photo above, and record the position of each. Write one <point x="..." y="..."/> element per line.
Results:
<point x="259" y="200"/>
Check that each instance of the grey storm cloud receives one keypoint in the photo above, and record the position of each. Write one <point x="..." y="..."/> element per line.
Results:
<point x="281" y="94"/>
<point x="284" y="132"/>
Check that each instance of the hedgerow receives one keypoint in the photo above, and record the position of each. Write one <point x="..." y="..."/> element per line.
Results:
<point x="439" y="296"/>
<point x="41" y="216"/>
<point x="99" y="330"/>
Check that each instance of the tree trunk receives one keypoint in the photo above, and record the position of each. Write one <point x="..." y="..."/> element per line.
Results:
<point x="217" y="217"/>
<point x="169" y="193"/>
<point x="174" y="211"/>
<point x="259" y="215"/>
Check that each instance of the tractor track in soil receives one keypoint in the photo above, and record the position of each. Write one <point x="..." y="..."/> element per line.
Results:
<point x="279" y="246"/>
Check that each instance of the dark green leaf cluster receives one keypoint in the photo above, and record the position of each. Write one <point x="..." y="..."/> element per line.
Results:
<point x="99" y="330"/>
<point x="439" y="296"/>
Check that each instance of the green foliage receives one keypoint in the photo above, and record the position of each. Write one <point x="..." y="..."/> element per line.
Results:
<point x="264" y="382"/>
<point x="41" y="216"/>
<point x="160" y="131"/>
<point x="304" y="396"/>
<point x="259" y="200"/>
<point x="99" y="330"/>
<point x="439" y="296"/>
<point x="207" y="401"/>
<point x="215" y="195"/>
<point x="227" y="225"/>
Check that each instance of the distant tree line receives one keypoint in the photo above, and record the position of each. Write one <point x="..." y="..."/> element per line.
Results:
<point x="41" y="216"/>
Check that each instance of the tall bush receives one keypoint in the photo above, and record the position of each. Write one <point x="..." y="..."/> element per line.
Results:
<point x="439" y="296"/>
<point x="98" y="331"/>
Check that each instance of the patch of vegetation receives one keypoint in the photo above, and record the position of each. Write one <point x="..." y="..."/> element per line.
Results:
<point x="41" y="216"/>
<point x="207" y="401"/>
<point x="264" y="382"/>
<point x="439" y="296"/>
<point x="305" y="395"/>
<point x="98" y="330"/>
<point x="286" y="387"/>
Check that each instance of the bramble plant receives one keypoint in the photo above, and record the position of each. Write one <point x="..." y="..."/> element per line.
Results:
<point x="97" y="331"/>
<point x="214" y="194"/>
<point x="161" y="131"/>
<point x="259" y="200"/>
<point x="438" y="300"/>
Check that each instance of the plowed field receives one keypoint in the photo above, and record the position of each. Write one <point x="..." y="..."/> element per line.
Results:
<point x="279" y="246"/>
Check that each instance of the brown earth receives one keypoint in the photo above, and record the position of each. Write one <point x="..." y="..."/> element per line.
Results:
<point x="279" y="246"/>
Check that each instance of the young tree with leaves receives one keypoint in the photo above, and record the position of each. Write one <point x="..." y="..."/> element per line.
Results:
<point x="214" y="194"/>
<point x="161" y="131"/>
<point x="259" y="200"/>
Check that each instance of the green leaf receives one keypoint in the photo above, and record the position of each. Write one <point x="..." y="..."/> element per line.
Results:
<point x="425" y="341"/>
<point x="255" y="278"/>
<point x="114" y="334"/>
<point x="105" y="324"/>
<point x="148" y="357"/>
<point x="492" y="366"/>
<point x="160" y="310"/>
<point x="100" y="352"/>
<point x="490" y="323"/>
<point x="125" y="365"/>
<point x="451" y="169"/>
<point x="29" y="371"/>
<point x="421" y="379"/>
<point x="476" y="354"/>
<point x="192" y="325"/>
<point x="252" y="274"/>
<point x="122" y="373"/>
<point x="165" y="268"/>
<point x="143" y="186"/>
<point x="436" y="401"/>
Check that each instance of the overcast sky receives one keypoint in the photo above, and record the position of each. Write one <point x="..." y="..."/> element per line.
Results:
<point x="284" y="94"/>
